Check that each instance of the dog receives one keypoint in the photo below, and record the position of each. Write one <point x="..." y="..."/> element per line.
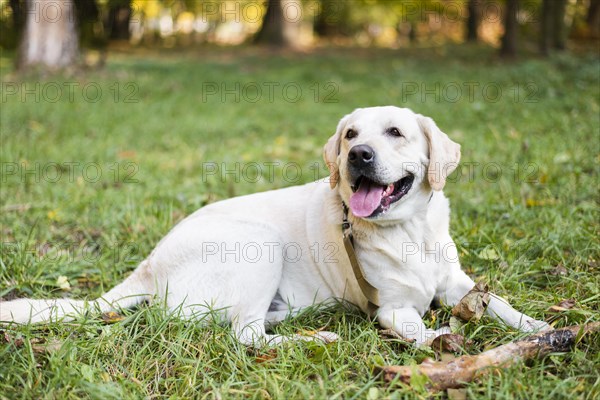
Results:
<point x="257" y="259"/>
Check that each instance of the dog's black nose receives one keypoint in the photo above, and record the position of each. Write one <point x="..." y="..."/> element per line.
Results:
<point x="361" y="155"/>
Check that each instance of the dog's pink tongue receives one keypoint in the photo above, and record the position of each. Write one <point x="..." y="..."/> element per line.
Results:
<point x="366" y="199"/>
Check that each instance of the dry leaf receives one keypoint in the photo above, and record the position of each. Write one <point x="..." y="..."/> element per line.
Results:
<point x="457" y="394"/>
<point x="472" y="306"/>
<point x="390" y="334"/>
<point x="489" y="253"/>
<point x="4" y="337"/>
<point x="63" y="283"/>
<point x="449" y="343"/>
<point x="559" y="270"/>
<point x="568" y="303"/>
<point x="43" y="347"/>
<point x="271" y="354"/>
<point x="455" y="325"/>
<point x="112" y="317"/>
<point x="125" y="154"/>
<point x="564" y="305"/>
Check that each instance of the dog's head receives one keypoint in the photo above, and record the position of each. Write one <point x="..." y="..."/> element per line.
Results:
<point x="385" y="161"/>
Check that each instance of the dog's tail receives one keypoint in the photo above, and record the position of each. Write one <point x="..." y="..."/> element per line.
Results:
<point x="136" y="288"/>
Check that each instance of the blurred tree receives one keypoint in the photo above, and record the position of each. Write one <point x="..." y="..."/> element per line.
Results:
<point x="18" y="8"/>
<point x="332" y="18"/>
<point x="50" y="39"/>
<point x="473" y="6"/>
<point x="119" y="16"/>
<point x="553" y="29"/>
<point x="593" y="18"/>
<point x="271" y="31"/>
<point x="273" y="25"/>
<point x="11" y="29"/>
<point x="88" y="18"/>
<point x="509" y="39"/>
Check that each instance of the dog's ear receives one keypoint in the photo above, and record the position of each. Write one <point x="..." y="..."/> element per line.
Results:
<point x="332" y="150"/>
<point x="444" y="154"/>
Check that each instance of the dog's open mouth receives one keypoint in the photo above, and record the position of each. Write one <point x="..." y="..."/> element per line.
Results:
<point x="371" y="198"/>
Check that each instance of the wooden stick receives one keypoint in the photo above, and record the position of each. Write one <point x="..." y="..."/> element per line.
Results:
<point x="455" y="373"/>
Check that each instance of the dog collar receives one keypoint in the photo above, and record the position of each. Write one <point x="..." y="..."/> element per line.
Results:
<point x="368" y="290"/>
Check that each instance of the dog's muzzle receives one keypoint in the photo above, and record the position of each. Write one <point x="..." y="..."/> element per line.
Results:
<point x="371" y="196"/>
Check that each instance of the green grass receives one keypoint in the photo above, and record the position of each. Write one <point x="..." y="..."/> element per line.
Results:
<point x="532" y="198"/>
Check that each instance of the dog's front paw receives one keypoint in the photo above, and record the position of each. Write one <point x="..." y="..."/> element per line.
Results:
<point x="533" y="326"/>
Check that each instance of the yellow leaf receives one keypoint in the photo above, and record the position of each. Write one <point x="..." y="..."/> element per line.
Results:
<point x="111" y="317"/>
<point x="53" y="215"/>
<point x="280" y="140"/>
<point x="489" y="253"/>
<point x="63" y="283"/>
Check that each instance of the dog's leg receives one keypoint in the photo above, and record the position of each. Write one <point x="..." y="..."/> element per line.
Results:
<point x="407" y="322"/>
<point x="275" y="317"/>
<point x="133" y="290"/>
<point x="459" y="284"/>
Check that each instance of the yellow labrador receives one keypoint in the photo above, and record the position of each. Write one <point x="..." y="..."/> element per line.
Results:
<point x="258" y="258"/>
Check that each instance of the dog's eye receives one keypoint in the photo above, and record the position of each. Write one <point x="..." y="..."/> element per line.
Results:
<point x="351" y="133"/>
<point x="395" y="132"/>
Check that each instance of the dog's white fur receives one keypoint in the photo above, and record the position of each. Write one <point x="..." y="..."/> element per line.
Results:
<point x="258" y="258"/>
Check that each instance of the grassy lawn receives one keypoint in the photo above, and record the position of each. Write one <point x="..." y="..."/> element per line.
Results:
<point x="91" y="181"/>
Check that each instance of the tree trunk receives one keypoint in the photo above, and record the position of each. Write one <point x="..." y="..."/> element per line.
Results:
<point x="327" y="20"/>
<point x="473" y="21"/>
<point x="545" y="26"/>
<point x="593" y="18"/>
<point x="558" y="24"/>
<point x="18" y="14"/>
<point x="119" y="16"/>
<point x="509" y="39"/>
<point x="553" y="29"/>
<point x="88" y="14"/>
<point x="272" y="29"/>
<point x="50" y="39"/>
<point x="281" y="24"/>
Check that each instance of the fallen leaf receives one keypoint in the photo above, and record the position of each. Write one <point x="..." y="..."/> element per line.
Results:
<point x="373" y="393"/>
<point x="63" y="283"/>
<point x="112" y="317"/>
<point x="46" y="347"/>
<point x="455" y="325"/>
<point x="564" y="305"/>
<point x="271" y="354"/>
<point x="53" y="215"/>
<point x="457" y="394"/>
<point x="559" y="270"/>
<point x="489" y="253"/>
<point x="472" y="306"/>
<point x="449" y="343"/>
<point x="125" y="154"/>
<point x="390" y="334"/>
